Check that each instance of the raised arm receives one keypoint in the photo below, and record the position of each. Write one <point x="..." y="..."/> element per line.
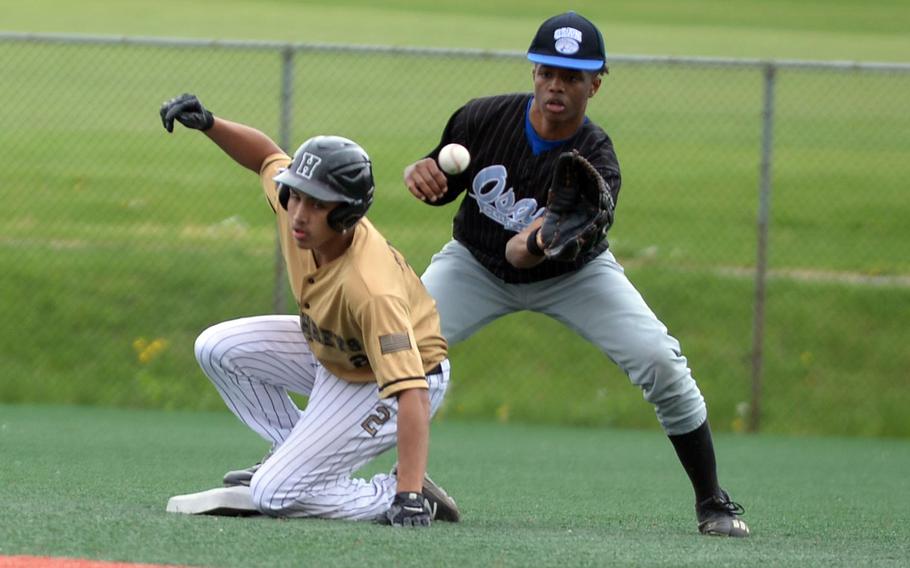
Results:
<point x="246" y="145"/>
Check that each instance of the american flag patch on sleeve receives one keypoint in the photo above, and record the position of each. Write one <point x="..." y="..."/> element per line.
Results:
<point x="394" y="342"/>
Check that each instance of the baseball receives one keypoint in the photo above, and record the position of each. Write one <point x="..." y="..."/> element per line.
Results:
<point x="454" y="159"/>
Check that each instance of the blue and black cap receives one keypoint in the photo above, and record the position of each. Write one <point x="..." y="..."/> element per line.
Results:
<point x="571" y="41"/>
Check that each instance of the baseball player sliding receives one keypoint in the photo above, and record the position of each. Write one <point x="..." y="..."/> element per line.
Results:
<point x="366" y="347"/>
<point x="530" y="234"/>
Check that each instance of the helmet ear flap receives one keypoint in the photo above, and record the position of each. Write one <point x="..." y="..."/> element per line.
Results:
<point x="284" y="193"/>
<point x="343" y="217"/>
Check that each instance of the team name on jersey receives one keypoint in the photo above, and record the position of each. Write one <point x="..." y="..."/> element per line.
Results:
<point x="327" y="337"/>
<point x="499" y="203"/>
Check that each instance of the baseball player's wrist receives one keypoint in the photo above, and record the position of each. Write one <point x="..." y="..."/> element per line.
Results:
<point x="532" y="245"/>
<point x="208" y="120"/>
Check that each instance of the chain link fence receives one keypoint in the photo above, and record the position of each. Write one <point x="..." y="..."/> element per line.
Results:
<point x="763" y="216"/>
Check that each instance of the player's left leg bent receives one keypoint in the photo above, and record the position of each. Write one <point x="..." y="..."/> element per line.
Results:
<point x="601" y="304"/>
<point x="253" y="362"/>
<point x="344" y="426"/>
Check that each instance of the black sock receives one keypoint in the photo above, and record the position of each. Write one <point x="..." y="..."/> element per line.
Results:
<point x="696" y="453"/>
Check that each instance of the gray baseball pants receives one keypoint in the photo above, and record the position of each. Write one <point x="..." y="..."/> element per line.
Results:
<point x="598" y="302"/>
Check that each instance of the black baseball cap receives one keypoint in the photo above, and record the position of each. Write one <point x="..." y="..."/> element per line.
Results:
<point x="569" y="40"/>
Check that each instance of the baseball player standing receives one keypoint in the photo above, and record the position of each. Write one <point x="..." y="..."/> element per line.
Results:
<point x="366" y="347"/>
<point x="503" y="257"/>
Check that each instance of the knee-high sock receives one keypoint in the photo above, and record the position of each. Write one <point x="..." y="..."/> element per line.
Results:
<point x="696" y="453"/>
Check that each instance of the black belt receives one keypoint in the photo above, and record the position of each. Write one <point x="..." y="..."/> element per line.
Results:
<point x="435" y="370"/>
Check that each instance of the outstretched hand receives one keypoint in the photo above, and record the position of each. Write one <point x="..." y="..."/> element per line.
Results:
<point x="188" y="111"/>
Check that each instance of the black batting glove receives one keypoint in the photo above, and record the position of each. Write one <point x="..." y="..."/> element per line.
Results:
<point x="407" y="510"/>
<point x="188" y="111"/>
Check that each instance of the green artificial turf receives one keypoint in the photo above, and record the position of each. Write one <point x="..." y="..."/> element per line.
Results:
<point x="93" y="483"/>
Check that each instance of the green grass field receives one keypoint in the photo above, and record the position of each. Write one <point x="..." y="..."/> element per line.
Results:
<point x="93" y="483"/>
<point x="142" y="236"/>
<point x="809" y="29"/>
<point x="118" y="244"/>
<point x="115" y="235"/>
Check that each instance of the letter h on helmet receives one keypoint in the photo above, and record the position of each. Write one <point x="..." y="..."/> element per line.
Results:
<point x="331" y="169"/>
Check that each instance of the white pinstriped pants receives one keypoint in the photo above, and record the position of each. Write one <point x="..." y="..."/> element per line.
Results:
<point x="254" y="362"/>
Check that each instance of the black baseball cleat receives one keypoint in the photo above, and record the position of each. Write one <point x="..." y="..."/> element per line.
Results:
<point x="240" y="476"/>
<point x="443" y="507"/>
<point x="719" y="516"/>
<point x="243" y="476"/>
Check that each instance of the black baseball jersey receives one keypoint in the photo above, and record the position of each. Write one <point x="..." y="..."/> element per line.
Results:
<point x="507" y="182"/>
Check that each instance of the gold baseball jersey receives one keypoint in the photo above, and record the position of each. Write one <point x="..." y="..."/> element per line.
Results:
<point x="366" y="315"/>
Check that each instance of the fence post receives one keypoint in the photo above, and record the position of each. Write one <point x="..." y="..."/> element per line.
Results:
<point x="279" y="305"/>
<point x="761" y="265"/>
